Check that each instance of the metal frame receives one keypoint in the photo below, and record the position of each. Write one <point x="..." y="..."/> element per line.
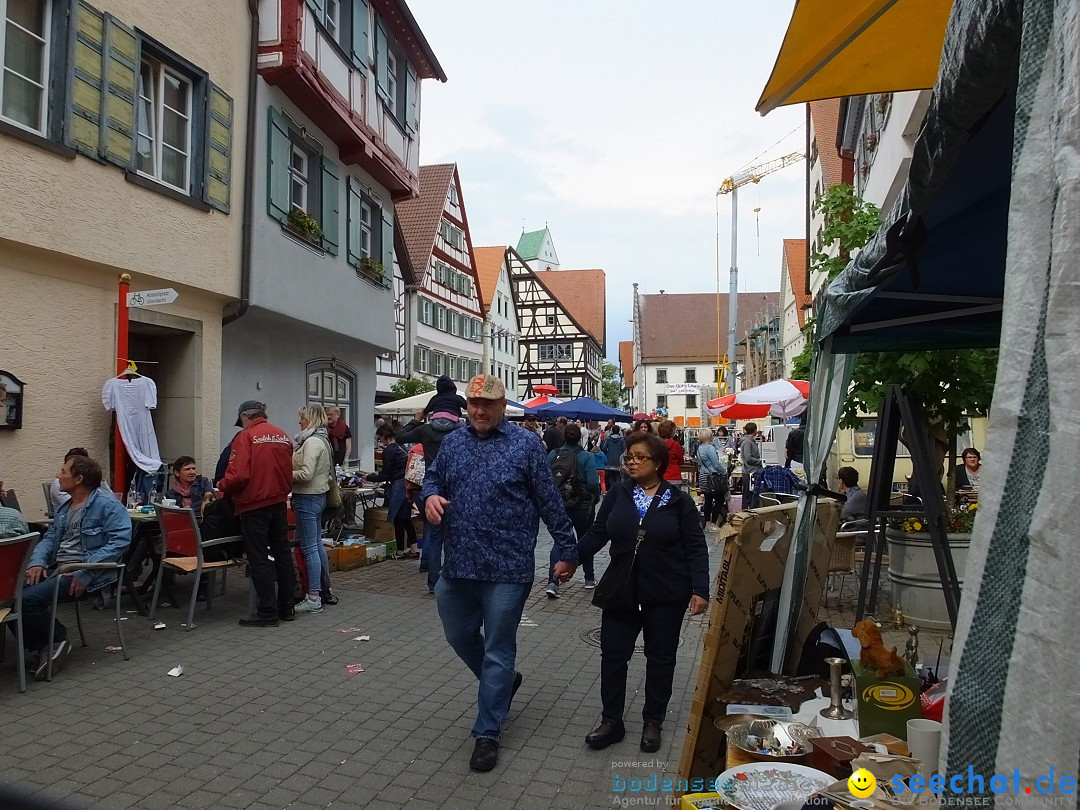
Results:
<point x="72" y="568"/>
<point x="898" y="409"/>
<point x="16" y="614"/>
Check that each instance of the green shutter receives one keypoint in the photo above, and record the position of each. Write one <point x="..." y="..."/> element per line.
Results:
<point x="466" y="286"/>
<point x="416" y="357"/>
<point x="388" y="240"/>
<point x="352" y="232"/>
<point x="360" y="33"/>
<point x="317" y="7"/>
<point x="84" y="112"/>
<point x="277" y="201"/>
<point x="382" y="70"/>
<point x="331" y="206"/>
<point x="412" y="87"/>
<point x="219" y="149"/>
<point x="118" y="108"/>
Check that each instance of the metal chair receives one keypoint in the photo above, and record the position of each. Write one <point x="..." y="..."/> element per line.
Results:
<point x="46" y="488"/>
<point x="74" y="568"/>
<point x="14" y="557"/>
<point x="9" y="499"/>
<point x="181" y="536"/>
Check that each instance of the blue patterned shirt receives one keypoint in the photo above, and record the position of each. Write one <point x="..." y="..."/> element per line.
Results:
<point x="642" y="499"/>
<point x="499" y="486"/>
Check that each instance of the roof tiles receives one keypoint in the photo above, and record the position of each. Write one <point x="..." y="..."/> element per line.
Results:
<point x="825" y="117"/>
<point x="419" y="218"/>
<point x="582" y="293"/>
<point x="678" y="327"/>
<point x="489" y="263"/>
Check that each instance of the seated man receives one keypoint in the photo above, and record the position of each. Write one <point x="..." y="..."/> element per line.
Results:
<point x="58" y="496"/>
<point x="12" y="523"/>
<point x="189" y="489"/>
<point x="90" y="527"/>
<point x="855" y="508"/>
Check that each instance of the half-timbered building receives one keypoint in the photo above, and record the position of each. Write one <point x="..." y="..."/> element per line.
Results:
<point x="501" y="331"/>
<point x="562" y="317"/>
<point x="443" y="311"/>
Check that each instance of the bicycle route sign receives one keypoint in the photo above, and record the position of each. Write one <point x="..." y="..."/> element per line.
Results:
<point x="152" y="298"/>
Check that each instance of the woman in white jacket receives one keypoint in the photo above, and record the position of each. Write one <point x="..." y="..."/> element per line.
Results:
<point x="313" y="464"/>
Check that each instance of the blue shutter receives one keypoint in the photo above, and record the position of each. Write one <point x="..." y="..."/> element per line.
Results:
<point x="382" y="71"/>
<point x="277" y="183"/>
<point x="387" y="244"/>
<point x="118" y="103"/>
<point x="352" y="232"/>
<point x="83" y="117"/>
<point x="412" y="89"/>
<point x="360" y="34"/>
<point x="331" y="206"/>
<point x="219" y="149"/>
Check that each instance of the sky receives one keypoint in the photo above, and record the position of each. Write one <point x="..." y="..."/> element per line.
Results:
<point x="613" y="122"/>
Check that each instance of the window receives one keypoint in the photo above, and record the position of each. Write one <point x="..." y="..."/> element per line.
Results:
<point x="302" y="180"/>
<point x="452" y="367"/>
<point x="422" y="354"/>
<point x="331" y="382"/>
<point x="661" y="375"/>
<point x="426" y="311"/>
<point x="556" y="351"/>
<point x="24" y="48"/>
<point x="370" y="234"/>
<point x="438" y="363"/>
<point x="298" y="179"/>
<point x="453" y="194"/>
<point x="691" y="401"/>
<point x="863" y="440"/>
<point x="163" y="151"/>
<point x="716" y="375"/>
<point x="451" y="233"/>
<point x="455" y="323"/>
<point x="661" y="402"/>
<point x="440" y="317"/>
<point x="365" y="224"/>
<point x="332" y="19"/>
<point x="691" y="375"/>
<point x="392" y="77"/>
<point x="562" y="385"/>
<point x="552" y="320"/>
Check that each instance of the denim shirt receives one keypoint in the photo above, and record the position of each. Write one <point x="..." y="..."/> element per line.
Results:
<point x="499" y="486"/>
<point x="106" y="534"/>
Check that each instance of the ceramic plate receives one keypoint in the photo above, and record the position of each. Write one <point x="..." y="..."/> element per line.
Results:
<point x="763" y="785"/>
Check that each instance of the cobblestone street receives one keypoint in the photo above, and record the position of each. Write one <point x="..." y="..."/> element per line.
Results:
<point x="271" y="718"/>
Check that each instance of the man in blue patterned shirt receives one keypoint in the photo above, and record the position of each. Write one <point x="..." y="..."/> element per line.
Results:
<point x="489" y="486"/>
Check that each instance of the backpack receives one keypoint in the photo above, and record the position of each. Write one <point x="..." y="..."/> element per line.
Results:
<point x="564" y="470"/>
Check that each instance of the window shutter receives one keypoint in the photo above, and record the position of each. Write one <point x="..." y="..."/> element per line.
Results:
<point x="387" y="239"/>
<point x="118" y="109"/>
<point x="331" y="205"/>
<point x="360" y="34"/>
<point x="466" y="285"/>
<point x="352" y="225"/>
<point x="382" y="70"/>
<point x="219" y="151"/>
<point x="412" y="86"/>
<point x="317" y="7"/>
<point x="84" y="112"/>
<point x="280" y="149"/>
<point x="416" y="357"/>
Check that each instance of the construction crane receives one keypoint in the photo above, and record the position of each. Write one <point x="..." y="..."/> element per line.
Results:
<point x="726" y="367"/>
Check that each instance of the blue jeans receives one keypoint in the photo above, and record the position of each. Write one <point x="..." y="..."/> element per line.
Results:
<point x="36" y="605"/>
<point x="582" y="518"/>
<point x="466" y="606"/>
<point x="308" y="510"/>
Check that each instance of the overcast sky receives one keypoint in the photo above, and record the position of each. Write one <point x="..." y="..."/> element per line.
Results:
<point x="614" y="122"/>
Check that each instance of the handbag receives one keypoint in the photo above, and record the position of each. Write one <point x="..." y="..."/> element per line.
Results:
<point x="333" y="494"/>
<point x="615" y="590"/>
<point x="415" y="468"/>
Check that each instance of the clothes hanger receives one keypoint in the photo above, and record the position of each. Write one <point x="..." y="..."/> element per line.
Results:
<point x="131" y="371"/>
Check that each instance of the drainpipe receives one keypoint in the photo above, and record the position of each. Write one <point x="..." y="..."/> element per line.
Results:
<point x="249" y="172"/>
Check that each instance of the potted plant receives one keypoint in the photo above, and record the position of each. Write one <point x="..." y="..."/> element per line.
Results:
<point x="373" y="268"/>
<point x="304" y="225"/>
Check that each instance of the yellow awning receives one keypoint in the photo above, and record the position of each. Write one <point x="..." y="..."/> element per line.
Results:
<point x="834" y="49"/>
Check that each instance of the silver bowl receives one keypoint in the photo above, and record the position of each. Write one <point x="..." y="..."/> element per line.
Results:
<point x="772" y="740"/>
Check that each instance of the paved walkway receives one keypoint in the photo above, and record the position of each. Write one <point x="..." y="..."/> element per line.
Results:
<point x="271" y="718"/>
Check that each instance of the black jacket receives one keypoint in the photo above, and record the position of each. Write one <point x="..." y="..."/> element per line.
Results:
<point x="673" y="561"/>
<point x="394" y="460"/>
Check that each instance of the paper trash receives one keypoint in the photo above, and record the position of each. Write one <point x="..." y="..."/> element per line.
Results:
<point x="176" y="672"/>
<point x="159" y="625"/>
<point x="353" y="669"/>
<point x="362" y="638"/>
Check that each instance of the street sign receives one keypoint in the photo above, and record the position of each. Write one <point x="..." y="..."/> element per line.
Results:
<point x="152" y="298"/>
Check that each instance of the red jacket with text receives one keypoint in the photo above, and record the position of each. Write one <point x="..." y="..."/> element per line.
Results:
<point x="260" y="467"/>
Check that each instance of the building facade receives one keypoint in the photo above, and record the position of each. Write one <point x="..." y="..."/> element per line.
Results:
<point x="501" y="329"/>
<point x="537" y="249"/>
<point x="122" y="134"/>
<point x="336" y="145"/>
<point x="626" y="374"/>
<point x="443" y="312"/>
<point x="794" y="302"/>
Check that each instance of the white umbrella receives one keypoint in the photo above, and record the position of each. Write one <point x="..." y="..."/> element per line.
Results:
<point x="410" y="405"/>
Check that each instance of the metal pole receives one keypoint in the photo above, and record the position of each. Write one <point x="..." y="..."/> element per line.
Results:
<point x="121" y="363"/>
<point x="733" y="293"/>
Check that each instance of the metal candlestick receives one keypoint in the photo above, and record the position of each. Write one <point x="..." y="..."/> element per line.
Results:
<point x="836" y="710"/>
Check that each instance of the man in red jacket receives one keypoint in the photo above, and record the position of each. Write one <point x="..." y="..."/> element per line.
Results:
<point x="259" y="480"/>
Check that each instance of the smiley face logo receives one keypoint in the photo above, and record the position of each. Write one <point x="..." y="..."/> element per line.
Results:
<point x="862" y="784"/>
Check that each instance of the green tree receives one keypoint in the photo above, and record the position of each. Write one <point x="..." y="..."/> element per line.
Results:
<point x="410" y="387"/>
<point x="612" y="385"/>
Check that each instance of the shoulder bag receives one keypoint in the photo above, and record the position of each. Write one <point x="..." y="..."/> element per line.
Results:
<point x="615" y="590"/>
<point x="415" y="468"/>
<point x="333" y="494"/>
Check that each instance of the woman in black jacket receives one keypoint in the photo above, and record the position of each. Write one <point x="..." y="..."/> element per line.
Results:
<point x="398" y="508"/>
<point x="671" y="571"/>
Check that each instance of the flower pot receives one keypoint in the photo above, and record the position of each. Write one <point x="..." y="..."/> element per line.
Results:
<point x="913" y="572"/>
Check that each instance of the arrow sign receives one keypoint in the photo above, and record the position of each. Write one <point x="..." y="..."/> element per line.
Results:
<point x="152" y="298"/>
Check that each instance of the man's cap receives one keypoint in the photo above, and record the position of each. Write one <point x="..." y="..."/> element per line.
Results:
<point x="485" y="386"/>
<point x="248" y="405"/>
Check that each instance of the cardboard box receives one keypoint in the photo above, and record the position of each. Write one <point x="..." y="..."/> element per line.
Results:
<point x="350" y="557"/>
<point x="886" y="704"/>
<point x="332" y="553"/>
<point x="374" y="552"/>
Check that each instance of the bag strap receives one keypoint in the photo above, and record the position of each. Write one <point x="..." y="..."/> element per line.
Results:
<point x="643" y="526"/>
<point x="331" y="478"/>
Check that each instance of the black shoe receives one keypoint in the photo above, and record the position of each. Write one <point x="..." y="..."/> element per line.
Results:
<point x="286" y="615"/>
<point x="486" y="754"/>
<point x="604" y="735"/>
<point x="259" y="621"/>
<point x="650" y="738"/>
<point x="60" y="652"/>
<point x="328" y="597"/>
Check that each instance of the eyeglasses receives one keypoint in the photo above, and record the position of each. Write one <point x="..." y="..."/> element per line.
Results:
<point x="635" y="459"/>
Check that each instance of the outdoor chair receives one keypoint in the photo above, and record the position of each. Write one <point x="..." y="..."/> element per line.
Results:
<point x="46" y="488"/>
<point x="9" y="499"/>
<point x="14" y="556"/>
<point x="181" y="536"/>
<point x="73" y="568"/>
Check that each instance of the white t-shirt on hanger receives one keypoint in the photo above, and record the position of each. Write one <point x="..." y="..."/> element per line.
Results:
<point x="132" y="398"/>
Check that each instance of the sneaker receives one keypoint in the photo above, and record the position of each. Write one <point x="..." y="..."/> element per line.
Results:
<point x="590" y="584"/>
<point x="309" y="605"/>
<point x="552" y="590"/>
<point x="60" y="652"/>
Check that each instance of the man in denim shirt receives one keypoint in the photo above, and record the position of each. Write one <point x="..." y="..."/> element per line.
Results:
<point x="489" y="486"/>
<point x="91" y="527"/>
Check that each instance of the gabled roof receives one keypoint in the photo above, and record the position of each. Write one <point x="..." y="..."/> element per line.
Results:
<point x="682" y="327"/>
<point x="529" y="244"/>
<point x="582" y="293"/>
<point x="825" y="117"/>
<point x="626" y="361"/>
<point x="420" y="217"/>
<point x="795" y="260"/>
<point x="489" y="264"/>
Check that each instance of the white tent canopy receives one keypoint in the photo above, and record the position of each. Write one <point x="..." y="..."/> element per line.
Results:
<point x="410" y="405"/>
